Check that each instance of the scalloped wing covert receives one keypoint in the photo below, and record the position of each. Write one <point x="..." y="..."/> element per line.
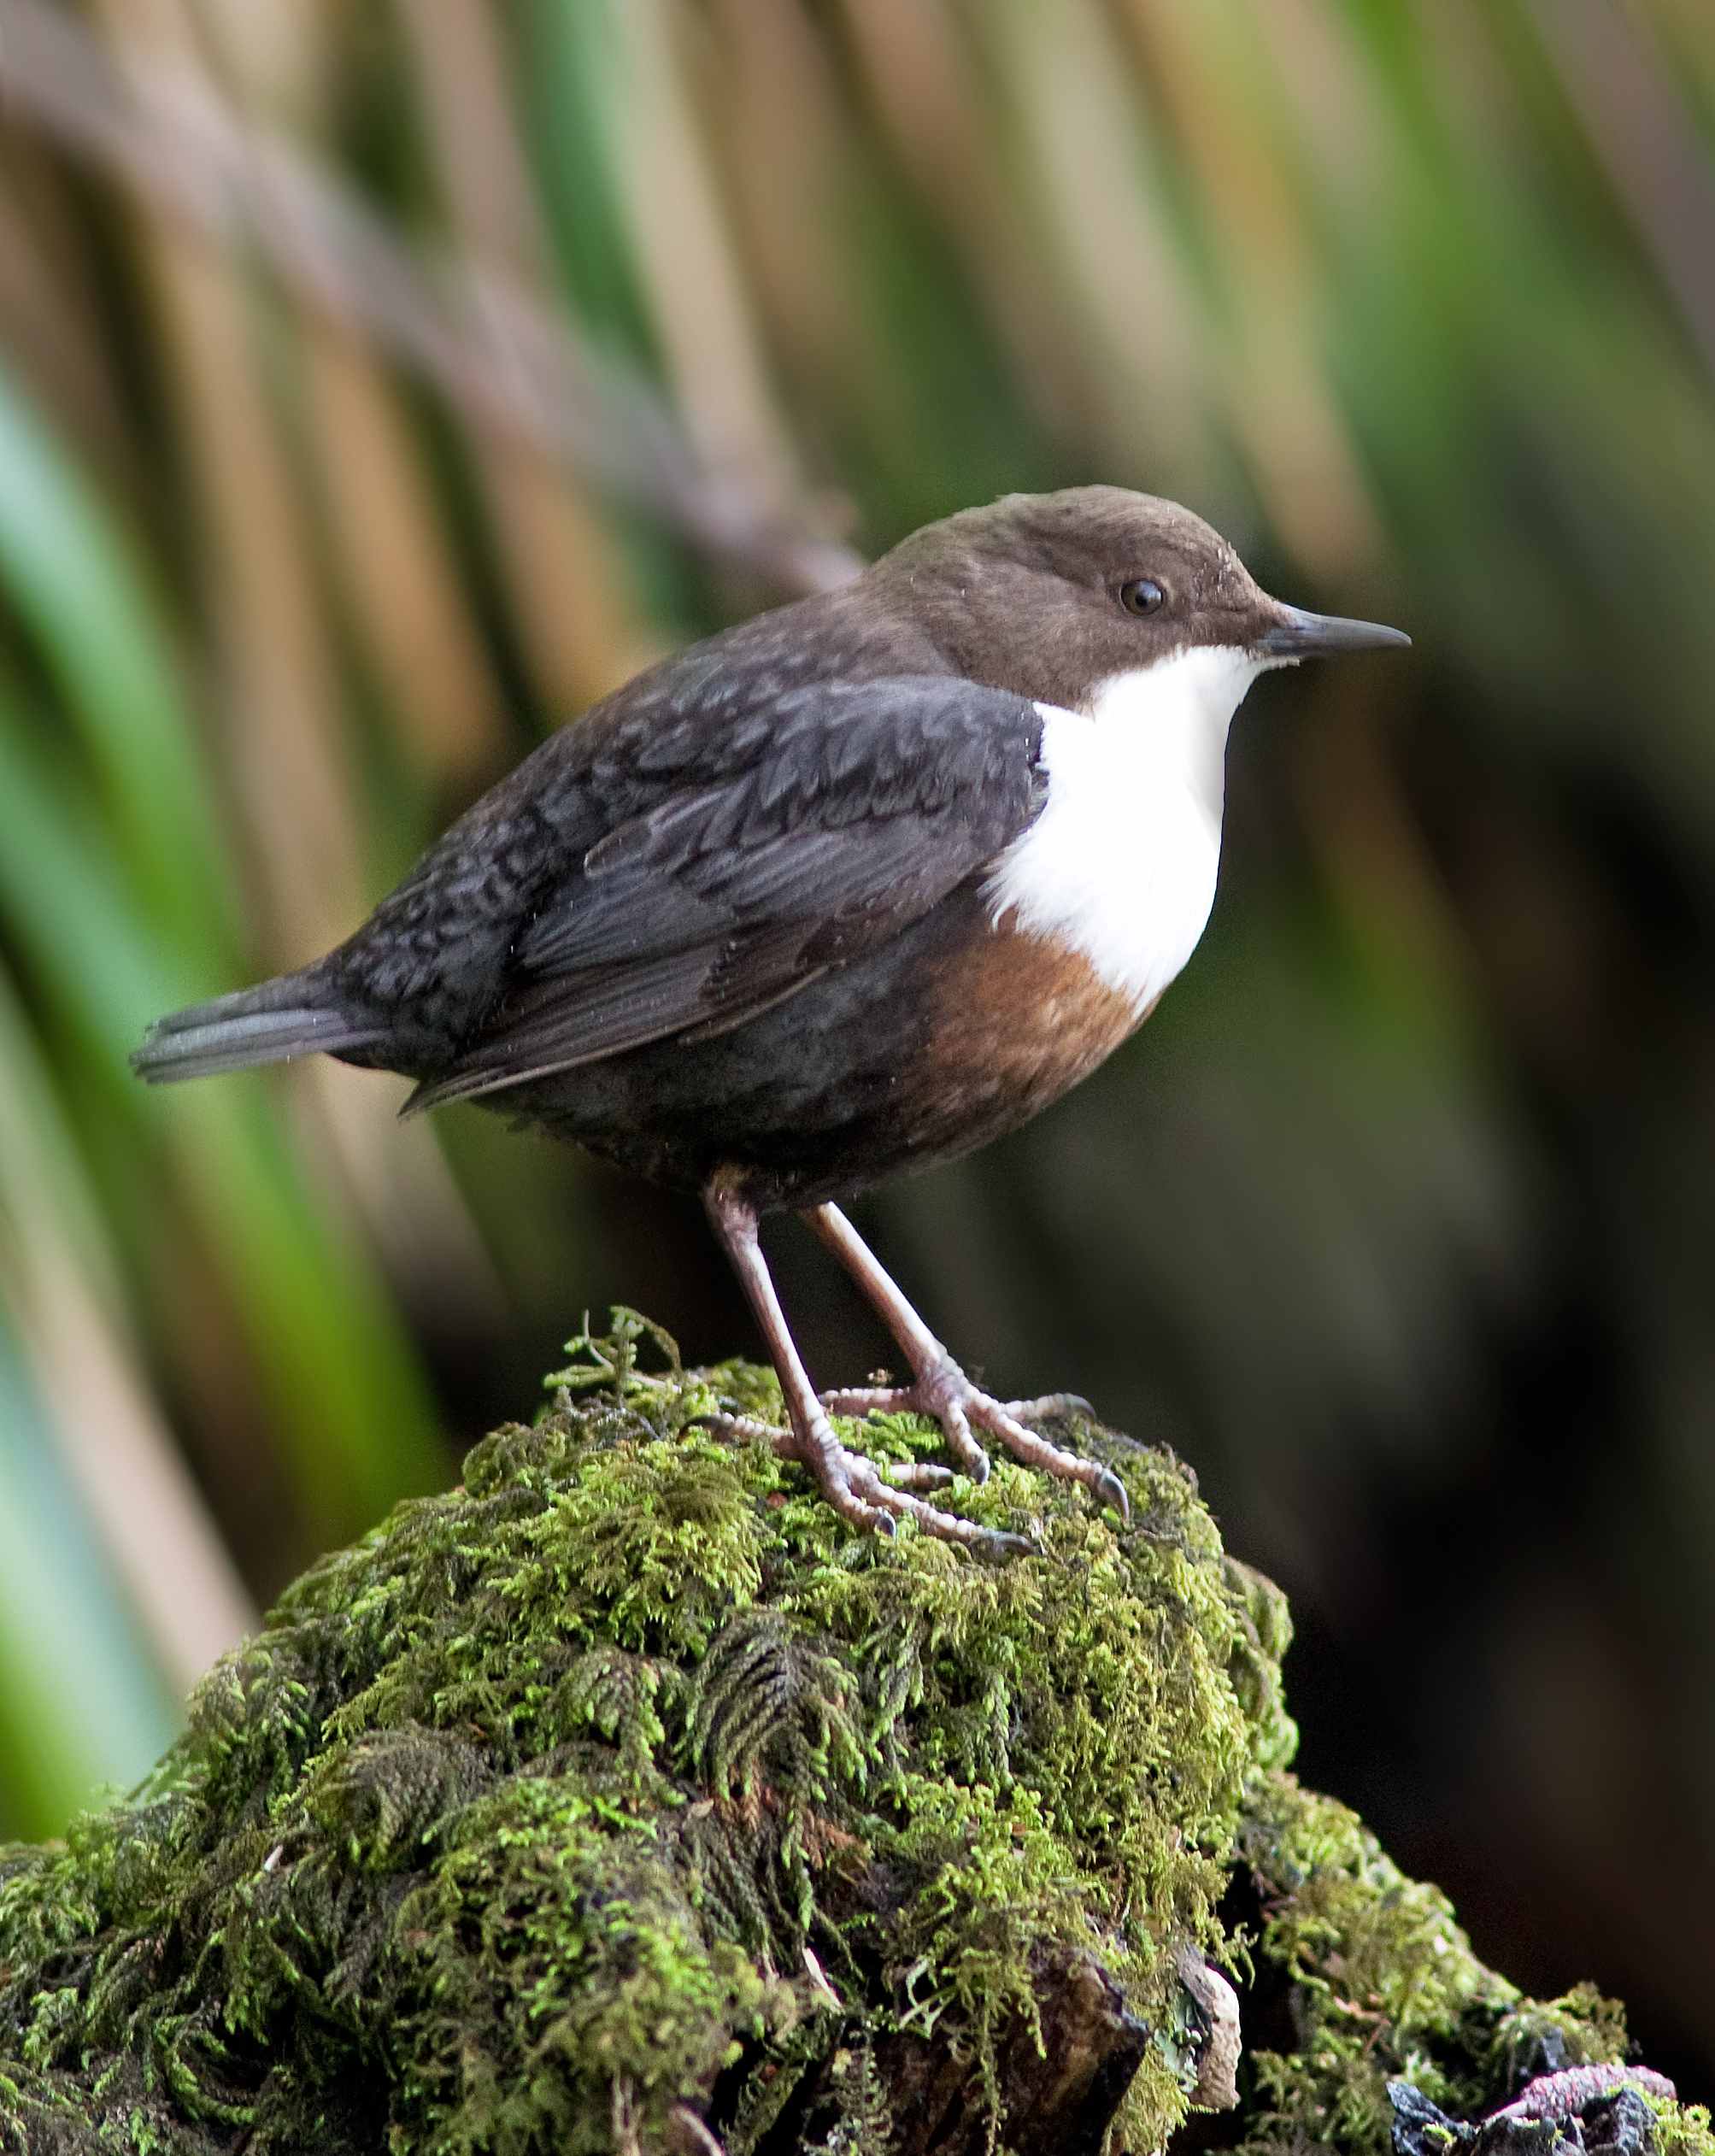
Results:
<point x="725" y="890"/>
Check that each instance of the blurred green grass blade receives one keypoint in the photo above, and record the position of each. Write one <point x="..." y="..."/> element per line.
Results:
<point x="568" y="72"/>
<point x="339" y="1372"/>
<point x="42" y="1152"/>
<point x="72" y="578"/>
<point x="570" y="75"/>
<point x="81" y="1700"/>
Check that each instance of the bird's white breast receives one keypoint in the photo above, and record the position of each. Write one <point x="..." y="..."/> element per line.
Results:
<point x="1121" y="865"/>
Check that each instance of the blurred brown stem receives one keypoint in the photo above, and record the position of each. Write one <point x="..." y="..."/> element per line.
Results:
<point x="508" y="362"/>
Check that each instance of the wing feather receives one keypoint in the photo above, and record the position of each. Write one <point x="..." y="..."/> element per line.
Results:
<point x="864" y="804"/>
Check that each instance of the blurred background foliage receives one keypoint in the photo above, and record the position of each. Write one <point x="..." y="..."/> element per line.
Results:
<point x="381" y="382"/>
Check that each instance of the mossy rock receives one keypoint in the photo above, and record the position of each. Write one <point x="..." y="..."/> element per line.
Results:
<point x="622" y="1801"/>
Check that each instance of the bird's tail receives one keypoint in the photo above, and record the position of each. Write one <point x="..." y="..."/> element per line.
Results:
<point x="297" y="1014"/>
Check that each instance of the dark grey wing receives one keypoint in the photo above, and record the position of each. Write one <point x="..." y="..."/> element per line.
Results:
<point x="864" y="804"/>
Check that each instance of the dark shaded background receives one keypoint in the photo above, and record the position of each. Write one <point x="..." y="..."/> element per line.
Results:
<point x="379" y="384"/>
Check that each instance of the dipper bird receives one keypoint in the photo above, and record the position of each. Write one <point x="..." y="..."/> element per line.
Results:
<point x="848" y="890"/>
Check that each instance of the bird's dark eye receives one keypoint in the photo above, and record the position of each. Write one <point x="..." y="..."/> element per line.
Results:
<point x="1142" y="595"/>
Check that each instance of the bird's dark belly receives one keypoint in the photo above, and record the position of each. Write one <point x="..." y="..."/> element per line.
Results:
<point x="951" y="1035"/>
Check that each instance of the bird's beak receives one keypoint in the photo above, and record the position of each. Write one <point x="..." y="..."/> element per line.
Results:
<point x="1294" y="634"/>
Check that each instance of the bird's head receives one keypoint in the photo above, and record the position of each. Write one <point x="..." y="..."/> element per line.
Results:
<point x="1057" y="597"/>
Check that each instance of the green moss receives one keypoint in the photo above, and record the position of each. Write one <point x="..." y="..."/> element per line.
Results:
<point x="1683" y="2129"/>
<point x="625" y="1777"/>
<point x="514" y="1825"/>
<point x="1385" y="1987"/>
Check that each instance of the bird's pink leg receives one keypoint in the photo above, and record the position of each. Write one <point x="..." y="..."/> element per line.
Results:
<point x="940" y="1388"/>
<point x="854" y="1485"/>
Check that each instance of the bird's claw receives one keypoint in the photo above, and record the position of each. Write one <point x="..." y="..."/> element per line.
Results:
<point x="919" y="1474"/>
<point x="870" y="1495"/>
<point x="859" y="1400"/>
<point x="1111" y="1490"/>
<point x="1052" y="1407"/>
<point x="947" y="1396"/>
<point x="874" y="1496"/>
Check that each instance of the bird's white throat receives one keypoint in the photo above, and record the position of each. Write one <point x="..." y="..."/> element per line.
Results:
<point x="1121" y="865"/>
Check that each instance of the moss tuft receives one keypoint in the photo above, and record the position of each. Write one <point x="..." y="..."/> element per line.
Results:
<point x="1384" y="1987"/>
<point x="623" y="1782"/>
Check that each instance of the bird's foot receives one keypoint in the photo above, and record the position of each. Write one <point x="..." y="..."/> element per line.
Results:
<point x="870" y="1495"/>
<point x="944" y="1393"/>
